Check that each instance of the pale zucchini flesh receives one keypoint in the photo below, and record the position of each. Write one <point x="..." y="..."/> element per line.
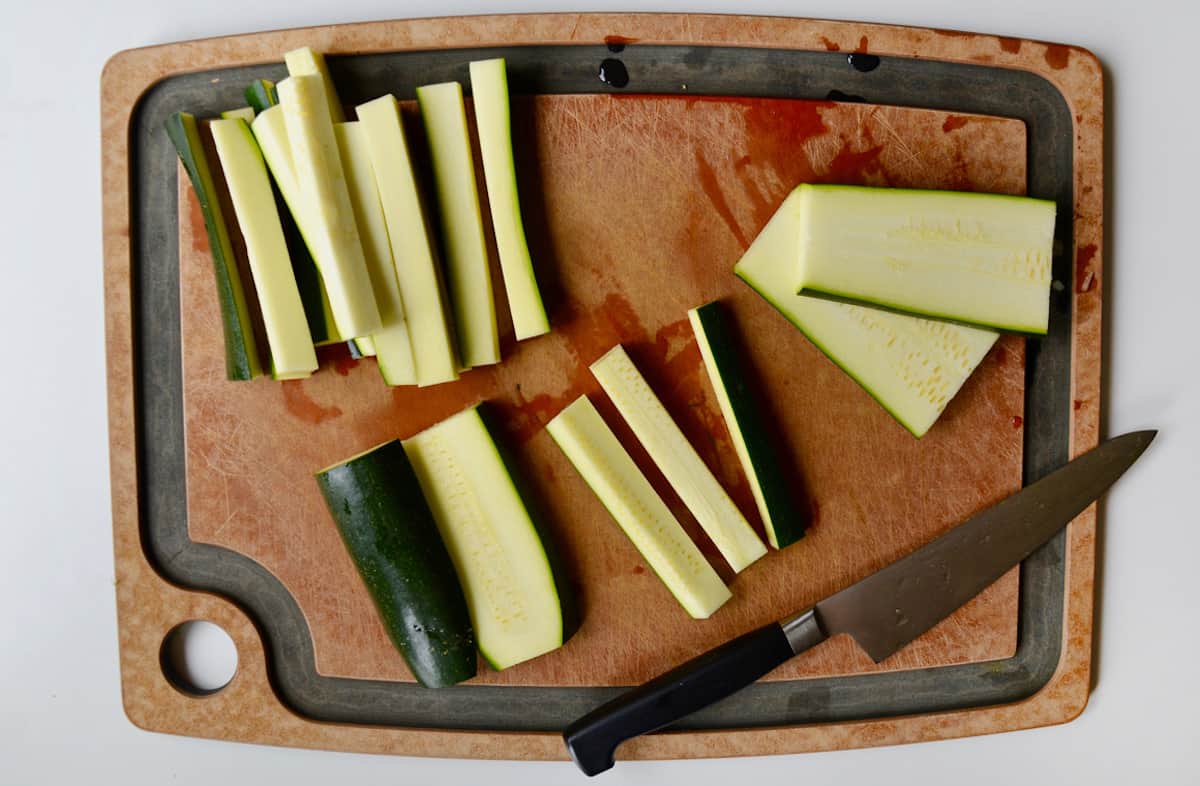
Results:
<point x="291" y="344"/>
<point x="489" y="87"/>
<point x="499" y="557"/>
<point x="911" y="366"/>
<point x="417" y="271"/>
<point x="609" y="471"/>
<point x="305" y="61"/>
<point x="774" y="497"/>
<point x="244" y="112"/>
<point x="393" y="351"/>
<point x="981" y="259"/>
<point x="320" y="179"/>
<point x="467" y="276"/>
<point x="679" y="462"/>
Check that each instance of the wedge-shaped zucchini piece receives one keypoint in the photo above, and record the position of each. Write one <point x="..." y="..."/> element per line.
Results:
<point x="291" y="345"/>
<point x="390" y="345"/>
<point x="981" y="259"/>
<point x="489" y="86"/>
<point x="421" y="289"/>
<point x="607" y="468"/>
<point x="387" y="527"/>
<point x="307" y="62"/>
<point x="270" y="131"/>
<point x="327" y="214"/>
<point x="678" y="460"/>
<point x="782" y="517"/>
<point x="911" y="366"/>
<point x="241" y="353"/>
<point x="244" y="112"/>
<point x="467" y="275"/>
<point x="515" y="603"/>
<point x="261" y="95"/>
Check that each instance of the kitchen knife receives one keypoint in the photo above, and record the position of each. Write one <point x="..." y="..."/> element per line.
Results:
<point x="883" y="612"/>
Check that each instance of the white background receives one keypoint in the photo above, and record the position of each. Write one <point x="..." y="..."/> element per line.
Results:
<point x="60" y="713"/>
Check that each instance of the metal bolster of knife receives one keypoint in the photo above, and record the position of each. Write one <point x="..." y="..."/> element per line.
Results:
<point x="803" y="631"/>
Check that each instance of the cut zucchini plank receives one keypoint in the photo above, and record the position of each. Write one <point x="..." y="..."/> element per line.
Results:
<point x="606" y="467"/>
<point x="501" y="561"/>
<point x="244" y="112"/>
<point x="291" y="345"/>
<point x="467" y="274"/>
<point x="489" y="86"/>
<point x="980" y="259"/>
<point x="387" y="527"/>
<point x="417" y="270"/>
<point x="260" y="95"/>
<point x="307" y="62"/>
<point x="391" y="343"/>
<point x="782" y="517"/>
<point x="678" y="460"/>
<point x="911" y="366"/>
<point x="270" y="131"/>
<point x="241" y="352"/>
<point x="327" y="213"/>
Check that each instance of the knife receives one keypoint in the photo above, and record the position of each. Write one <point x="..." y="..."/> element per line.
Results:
<point x="883" y="612"/>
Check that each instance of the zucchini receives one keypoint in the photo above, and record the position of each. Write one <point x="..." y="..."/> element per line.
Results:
<point x="980" y="259"/>
<point x="513" y="595"/>
<point x="641" y="514"/>
<point x="291" y="345"/>
<point x="326" y="212"/>
<point x="390" y="344"/>
<point x="911" y="366"/>
<point x="389" y="531"/>
<point x="782" y="517"/>
<point x="468" y="277"/>
<point x="489" y="86"/>
<point x="307" y="62"/>
<point x="244" y="112"/>
<point x="677" y="459"/>
<point x="421" y="289"/>
<point x="241" y="351"/>
<point x="270" y="131"/>
<point x="261" y="95"/>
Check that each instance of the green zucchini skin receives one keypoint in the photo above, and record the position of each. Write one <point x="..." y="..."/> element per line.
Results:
<point x="787" y="519"/>
<point x="387" y="527"/>
<point x="241" y="352"/>
<point x="260" y="95"/>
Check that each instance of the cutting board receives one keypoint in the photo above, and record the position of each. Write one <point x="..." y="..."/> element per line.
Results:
<point x="637" y="207"/>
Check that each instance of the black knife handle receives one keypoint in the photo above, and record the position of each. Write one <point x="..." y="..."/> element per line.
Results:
<point x="705" y="679"/>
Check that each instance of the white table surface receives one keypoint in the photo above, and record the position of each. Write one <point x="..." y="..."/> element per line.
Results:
<point x="60" y="711"/>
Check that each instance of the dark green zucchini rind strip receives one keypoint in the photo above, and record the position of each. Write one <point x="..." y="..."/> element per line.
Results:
<point x="261" y="95"/>
<point x="241" y="352"/>
<point x="391" y="535"/>
<point x="782" y="516"/>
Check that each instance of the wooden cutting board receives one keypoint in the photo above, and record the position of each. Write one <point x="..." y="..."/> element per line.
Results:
<point x="637" y="208"/>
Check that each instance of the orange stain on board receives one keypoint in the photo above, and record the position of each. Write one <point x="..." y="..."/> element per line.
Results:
<point x="1017" y="421"/>
<point x="830" y="46"/>
<point x="1057" y="56"/>
<point x="196" y="219"/>
<point x="1083" y="270"/>
<point x="300" y="404"/>
<point x="618" y="42"/>
<point x="711" y="185"/>
<point x="1010" y="45"/>
<point x="851" y="167"/>
<point x="954" y="122"/>
<point x="862" y="44"/>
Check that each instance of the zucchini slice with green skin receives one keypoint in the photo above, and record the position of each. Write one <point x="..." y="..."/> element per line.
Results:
<point x="609" y="471"/>
<point x="467" y="274"/>
<point x="977" y="259"/>
<point x="389" y="530"/>
<point x="516" y="608"/>
<point x="291" y="345"/>
<point x="260" y="95"/>
<point x="327" y="213"/>
<point x="241" y="352"/>
<point x="244" y="112"/>
<point x="784" y="521"/>
<point x="679" y="462"/>
<point x="391" y="344"/>
<point x="270" y="132"/>
<point x="489" y="86"/>
<point x="911" y="366"/>
<point x="418" y="273"/>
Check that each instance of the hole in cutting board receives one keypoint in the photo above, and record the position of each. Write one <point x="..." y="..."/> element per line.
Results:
<point x="198" y="657"/>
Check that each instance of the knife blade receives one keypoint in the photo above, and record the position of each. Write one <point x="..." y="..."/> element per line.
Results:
<point x="883" y="612"/>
